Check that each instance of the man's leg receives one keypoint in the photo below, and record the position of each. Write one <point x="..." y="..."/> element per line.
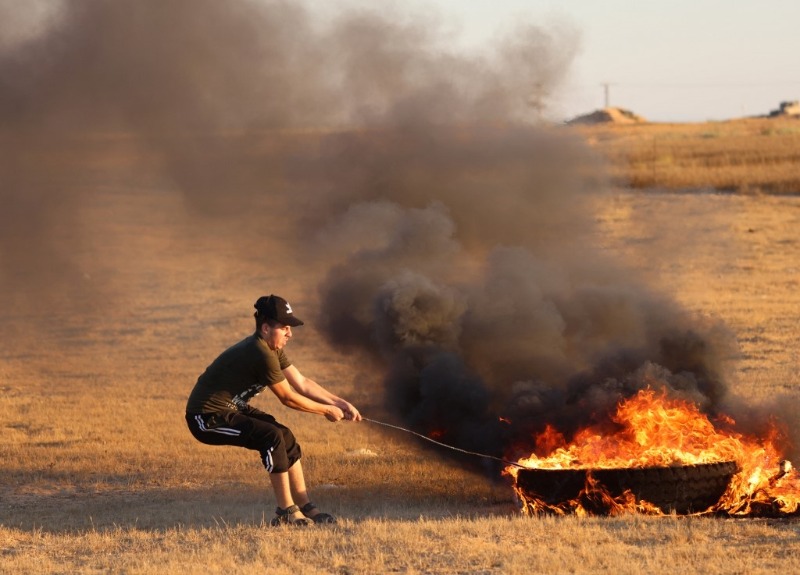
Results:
<point x="276" y="443"/>
<point x="283" y="492"/>
<point x="297" y="483"/>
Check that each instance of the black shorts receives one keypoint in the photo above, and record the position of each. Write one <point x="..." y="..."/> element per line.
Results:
<point x="249" y="428"/>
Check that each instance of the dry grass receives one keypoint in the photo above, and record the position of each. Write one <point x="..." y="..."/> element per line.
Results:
<point x="422" y="545"/>
<point x="749" y="155"/>
<point x="101" y="476"/>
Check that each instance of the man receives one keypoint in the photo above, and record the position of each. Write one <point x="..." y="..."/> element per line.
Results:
<point x="218" y="412"/>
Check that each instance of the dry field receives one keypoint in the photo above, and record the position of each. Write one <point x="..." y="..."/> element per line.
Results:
<point x="100" y="474"/>
<point x="746" y="156"/>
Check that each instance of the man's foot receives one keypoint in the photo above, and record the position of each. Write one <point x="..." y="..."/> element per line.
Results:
<point x="310" y="510"/>
<point x="290" y="516"/>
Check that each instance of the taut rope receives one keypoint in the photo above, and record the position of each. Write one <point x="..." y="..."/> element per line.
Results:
<point x="426" y="438"/>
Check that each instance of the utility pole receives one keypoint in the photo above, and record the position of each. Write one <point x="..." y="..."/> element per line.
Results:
<point x="605" y="86"/>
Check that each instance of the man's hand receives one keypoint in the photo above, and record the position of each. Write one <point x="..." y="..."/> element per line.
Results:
<point x="333" y="413"/>
<point x="350" y="412"/>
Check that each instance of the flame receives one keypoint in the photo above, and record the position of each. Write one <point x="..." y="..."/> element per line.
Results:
<point x="652" y="430"/>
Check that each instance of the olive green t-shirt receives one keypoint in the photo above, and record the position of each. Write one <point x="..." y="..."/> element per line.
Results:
<point x="241" y="372"/>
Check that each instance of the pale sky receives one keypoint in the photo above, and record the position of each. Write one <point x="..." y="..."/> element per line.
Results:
<point x="674" y="60"/>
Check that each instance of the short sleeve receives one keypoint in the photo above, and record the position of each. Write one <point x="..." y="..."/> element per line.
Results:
<point x="283" y="359"/>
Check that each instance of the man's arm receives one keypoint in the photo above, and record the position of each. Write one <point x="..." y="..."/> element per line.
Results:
<point x="289" y="397"/>
<point x="314" y="391"/>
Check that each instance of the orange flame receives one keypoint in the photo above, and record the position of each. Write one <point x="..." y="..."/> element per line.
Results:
<point x="655" y="431"/>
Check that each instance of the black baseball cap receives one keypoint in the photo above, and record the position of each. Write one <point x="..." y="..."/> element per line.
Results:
<point x="276" y="308"/>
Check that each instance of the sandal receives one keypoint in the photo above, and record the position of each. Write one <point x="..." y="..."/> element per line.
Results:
<point x="319" y="517"/>
<point x="284" y="517"/>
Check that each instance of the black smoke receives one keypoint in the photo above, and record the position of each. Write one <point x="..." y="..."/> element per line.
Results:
<point x="468" y="267"/>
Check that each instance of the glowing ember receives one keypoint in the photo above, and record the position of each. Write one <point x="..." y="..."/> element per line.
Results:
<point x="653" y="431"/>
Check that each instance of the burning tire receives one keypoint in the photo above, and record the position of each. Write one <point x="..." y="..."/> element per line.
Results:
<point x="680" y="489"/>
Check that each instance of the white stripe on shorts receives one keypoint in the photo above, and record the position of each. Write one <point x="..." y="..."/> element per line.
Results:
<point x="223" y="430"/>
<point x="268" y="463"/>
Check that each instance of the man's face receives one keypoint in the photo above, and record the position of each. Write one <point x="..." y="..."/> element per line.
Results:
<point x="276" y="337"/>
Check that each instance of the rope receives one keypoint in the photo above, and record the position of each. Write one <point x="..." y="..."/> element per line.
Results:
<point x="426" y="438"/>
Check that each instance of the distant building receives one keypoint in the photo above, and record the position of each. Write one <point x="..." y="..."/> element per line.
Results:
<point x="787" y="109"/>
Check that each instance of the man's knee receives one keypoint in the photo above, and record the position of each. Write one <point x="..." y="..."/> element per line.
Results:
<point x="293" y="451"/>
<point x="280" y="451"/>
<point x="275" y="460"/>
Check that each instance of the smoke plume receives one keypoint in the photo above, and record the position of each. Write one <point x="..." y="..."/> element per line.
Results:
<point x="466" y="266"/>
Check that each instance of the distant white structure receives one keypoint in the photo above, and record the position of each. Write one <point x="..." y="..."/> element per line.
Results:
<point x="787" y="109"/>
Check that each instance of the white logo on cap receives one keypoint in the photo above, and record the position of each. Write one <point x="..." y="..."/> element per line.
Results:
<point x="288" y="308"/>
